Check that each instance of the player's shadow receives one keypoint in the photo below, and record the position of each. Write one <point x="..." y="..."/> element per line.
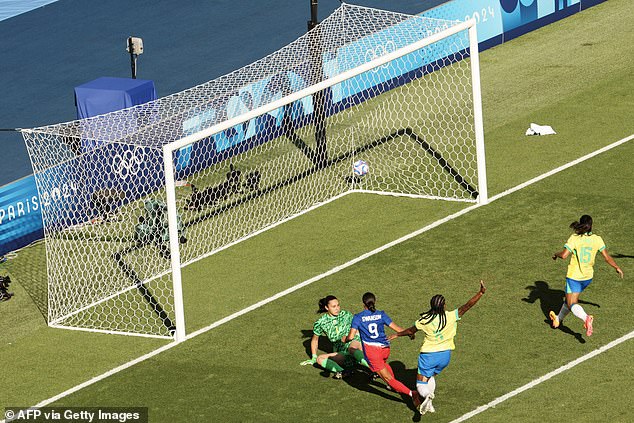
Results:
<point x="361" y="378"/>
<point x="552" y="299"/>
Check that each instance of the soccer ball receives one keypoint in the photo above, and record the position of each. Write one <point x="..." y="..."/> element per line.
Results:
<point x="360" y="168"/>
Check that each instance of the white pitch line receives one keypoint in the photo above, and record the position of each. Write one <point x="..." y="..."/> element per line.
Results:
<point x="545" y="377"/>
<point x="328" y="273"/>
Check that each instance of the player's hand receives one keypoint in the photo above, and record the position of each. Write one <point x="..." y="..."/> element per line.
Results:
<point x="620" y="272"/>
<point x="392" y="336"/>
<point x="483" y="288"/>
<point x="310" y="362"/>
<point x="412" y="336"/>
<point x="555" y="257"/>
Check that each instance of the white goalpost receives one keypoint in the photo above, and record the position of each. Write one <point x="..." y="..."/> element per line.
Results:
<point x="131" y="197"/>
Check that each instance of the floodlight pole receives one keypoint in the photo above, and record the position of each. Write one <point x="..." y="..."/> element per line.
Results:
<point x="319" y="98"/>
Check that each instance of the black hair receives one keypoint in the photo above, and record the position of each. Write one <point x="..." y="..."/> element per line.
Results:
<point x="583" y="226"/>
<point x="437" y="304"/>
<point x="324" y="302"/>
<point x="368" y="300"/>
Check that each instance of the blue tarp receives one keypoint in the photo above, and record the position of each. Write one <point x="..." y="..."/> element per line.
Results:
<point x="107" y="94"/>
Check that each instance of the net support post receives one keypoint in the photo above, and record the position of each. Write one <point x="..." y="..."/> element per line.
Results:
<point x="170" y="191"/>
<point x="483" y="197"/>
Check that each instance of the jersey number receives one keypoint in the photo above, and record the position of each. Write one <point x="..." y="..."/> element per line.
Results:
<point x="586" y="255"/>
<point x="374" y="330"/>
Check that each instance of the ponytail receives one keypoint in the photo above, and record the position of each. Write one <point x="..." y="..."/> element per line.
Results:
<point x="323" y="303"/>
<point x="369" y="300"/>
<point x="583" y="226"/>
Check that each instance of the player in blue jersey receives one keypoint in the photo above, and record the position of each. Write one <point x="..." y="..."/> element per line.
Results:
<point x="370" y="324"/>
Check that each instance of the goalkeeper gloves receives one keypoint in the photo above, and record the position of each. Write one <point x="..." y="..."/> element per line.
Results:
<point x="312" y="361"/>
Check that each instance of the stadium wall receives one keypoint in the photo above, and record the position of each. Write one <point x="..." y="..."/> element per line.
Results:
<point x="498" y="21"/>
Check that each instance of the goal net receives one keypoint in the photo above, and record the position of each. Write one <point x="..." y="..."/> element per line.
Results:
<point x="367" y="101"/>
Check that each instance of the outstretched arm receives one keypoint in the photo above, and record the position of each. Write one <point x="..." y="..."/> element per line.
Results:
<point x="608" y="258"/>
<point x="395" y="327"/>
<point x="464" y="308"/>
<point x="563" y="254"/>
<point x="407" y="332"/>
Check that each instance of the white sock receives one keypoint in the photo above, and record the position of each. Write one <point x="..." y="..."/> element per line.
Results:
<point x="578" y="311"/>
<point x="563" y="312"/>
<point x="423" y="389"/>
<point x="432" y="384"/>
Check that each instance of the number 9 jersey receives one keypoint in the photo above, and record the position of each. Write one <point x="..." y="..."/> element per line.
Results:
<point x="371" y="327"/>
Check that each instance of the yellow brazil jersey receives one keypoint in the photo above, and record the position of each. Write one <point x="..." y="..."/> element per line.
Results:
<point x="439" y="341"/>
<point x="584" y="249"/>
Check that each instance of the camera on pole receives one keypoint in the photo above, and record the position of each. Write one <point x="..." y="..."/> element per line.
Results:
<point x="135" y="48"/>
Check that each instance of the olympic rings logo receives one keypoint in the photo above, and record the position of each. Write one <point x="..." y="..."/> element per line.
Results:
<point x="128" y="163"/>
<point x="378" y="51"/>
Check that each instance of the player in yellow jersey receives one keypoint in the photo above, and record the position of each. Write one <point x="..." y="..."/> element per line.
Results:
<point x="439" y="327"/>
<point x="582" y="247"/>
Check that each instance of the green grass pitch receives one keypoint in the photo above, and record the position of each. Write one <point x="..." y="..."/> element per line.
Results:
<point x="574" y="75"/>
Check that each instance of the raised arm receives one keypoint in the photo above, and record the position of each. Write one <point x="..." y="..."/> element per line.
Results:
<point x="608" y="258"/>
<point x="464" y="308"/>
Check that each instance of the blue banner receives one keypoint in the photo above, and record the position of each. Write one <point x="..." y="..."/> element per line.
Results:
<point x="20" y="215"/>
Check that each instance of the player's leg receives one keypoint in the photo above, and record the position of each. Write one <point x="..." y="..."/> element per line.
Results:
<point x="377" y="360"/>
<point x="356" y="350"/>
<point x="332" y="362"/>
<point x="573" y="289"/>
<point x="429" y="365"/>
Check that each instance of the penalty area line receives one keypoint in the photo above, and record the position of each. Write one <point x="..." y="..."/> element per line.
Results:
<point x="544" y="378"/>
<point x="331" y="272"/>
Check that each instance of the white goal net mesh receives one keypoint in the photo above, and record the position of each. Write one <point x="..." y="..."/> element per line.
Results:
<point x="102" y="184"/>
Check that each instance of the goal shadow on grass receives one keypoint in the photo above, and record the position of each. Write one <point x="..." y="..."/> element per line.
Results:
<point x="551" y="300"/>
<point x="321" y="165"/>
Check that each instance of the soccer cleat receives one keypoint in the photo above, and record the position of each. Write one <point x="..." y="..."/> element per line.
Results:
<point x="342" y="375"/>
<point x="423" y="407"/>
<point x="588" y="325"/>
<point x="430" y="408"/>
<point x="554" y="319"/>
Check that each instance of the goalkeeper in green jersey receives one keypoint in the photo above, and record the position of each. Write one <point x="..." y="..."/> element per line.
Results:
<point x="335" y="324"/>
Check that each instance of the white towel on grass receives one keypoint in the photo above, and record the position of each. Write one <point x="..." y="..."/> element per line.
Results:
<point x="536" y="129"/>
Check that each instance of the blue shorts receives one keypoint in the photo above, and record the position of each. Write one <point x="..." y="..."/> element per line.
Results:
<point x="432" y="363"/>
<point x="574" y="286"/>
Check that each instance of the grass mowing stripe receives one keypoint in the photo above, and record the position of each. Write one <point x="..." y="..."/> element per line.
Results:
<point x="544" y="378"/>
<point x="346" y="265"/>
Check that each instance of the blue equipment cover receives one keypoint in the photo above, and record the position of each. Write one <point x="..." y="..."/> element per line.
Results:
<point x="107" y="94"/>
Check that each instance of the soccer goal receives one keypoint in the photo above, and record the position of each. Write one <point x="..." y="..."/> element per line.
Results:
<point x="367" y="101"/>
